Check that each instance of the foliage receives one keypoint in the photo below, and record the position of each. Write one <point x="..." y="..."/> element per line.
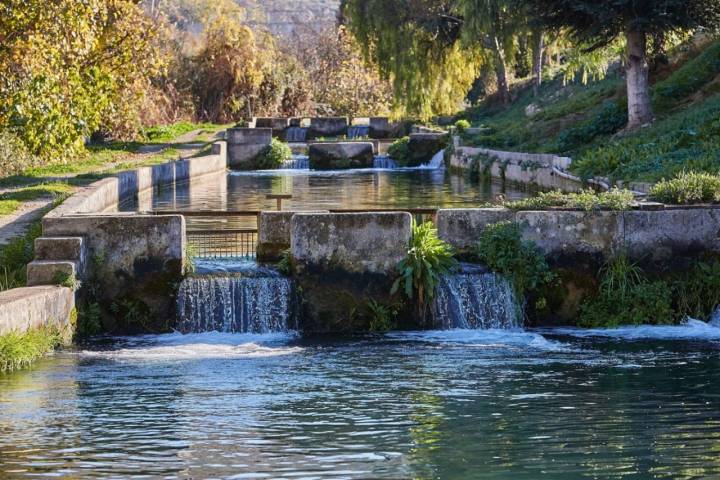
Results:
<point x="688" y="188"/>
<point x="89" y="320"/>
<point x="696" y="292"/>
<point x="502" y="249"/>
<point x="64" y="279"/>
<point x="399" y="151"/>
<point x="191" y="253"/>
<point x="626" y="297"/>
<point x="285" y="265"/>
<point x="687" y="140"/>
<point x="133" y="313"/>
<point x="610" y="118"/>
<point x="273" y="156"/>
<point x="167" y="133"/>
<point x="14" y="156"/>
<point x="461" y="125"/>
<point x="428" y="259"/>
<point x="15" y="255"/>
<point x="587" y="200"/>
<point x="383" y="317"/>
<point x="19" y="350"/>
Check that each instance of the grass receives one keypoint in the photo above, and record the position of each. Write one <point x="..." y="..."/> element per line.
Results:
<point x="19" y="350"/>
<point x="167" y="133"/>
<point x="8" y="206"/>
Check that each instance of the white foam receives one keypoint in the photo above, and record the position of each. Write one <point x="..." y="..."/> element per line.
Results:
<point x="690" y="330"/>
<point x="195" y="346"/>
<point x="489" y="338"/>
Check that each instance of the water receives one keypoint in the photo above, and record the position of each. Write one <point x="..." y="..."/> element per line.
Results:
<point x="474" y="298"/>
<point x="383" y="161"/>
<point x="485" y="404"/>
<point x="358" y="131"/>
<point x="438" y="160"/>
<point x="296" y="134"/>
<point x="255" y="301"/>
<point x="297" y="162"/>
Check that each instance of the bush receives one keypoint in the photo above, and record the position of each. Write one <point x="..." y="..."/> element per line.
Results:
<point x="626" y="297"/>
<point x="461" y="125"/>
<point x="502" y="249"/>
<point x="14" y="157"/>
<point x="588" y="200"/>
<point x="688" y="188"/>
<point x="428" y="259"/>
<point x="18" y="350"/>
<point x="399" y="151"/>
<point x="274" y="155"/>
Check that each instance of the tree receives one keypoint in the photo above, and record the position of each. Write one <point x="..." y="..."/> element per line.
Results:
<point x="599" y="22"/>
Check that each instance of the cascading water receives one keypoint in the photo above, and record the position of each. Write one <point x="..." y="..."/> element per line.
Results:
<point x="296" y="134"/>
<point x="383" y="161"/>
<point x="358" y="131"/>
<point x="297" y="162"/>
<point x="261" y="302"/>
<point x="473" y="298"/>
<point x="437" y="161"/>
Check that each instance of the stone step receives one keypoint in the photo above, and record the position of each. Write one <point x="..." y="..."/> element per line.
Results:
<point x="49" y="272"/>
<point x="60" y="248"/>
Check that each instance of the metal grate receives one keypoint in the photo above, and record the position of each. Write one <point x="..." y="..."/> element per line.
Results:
<point x="238" y="243"/>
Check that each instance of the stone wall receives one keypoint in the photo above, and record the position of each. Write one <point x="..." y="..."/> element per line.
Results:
<point x="245" y="145"/>
<point x="23" y="309"/>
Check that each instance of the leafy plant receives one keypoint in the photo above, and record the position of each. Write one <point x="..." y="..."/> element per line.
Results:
<point x="18" y="350"/>
<point x="89" y="320"/>
<point x="65" y="279"/>
<point x="191" y="254"/>
<point x="461" y="125"/>
<point x="382" y="316"/>
<point x="688" y="188"/>
<point x="587" y="200"/>
<point x="502" y="249"/>
<point x="697" y="292"/>
<point x="399" y="151"/>
<point x="275" y="154"/>
<point x="285" y="264"/>
<point x="428" y="259"/>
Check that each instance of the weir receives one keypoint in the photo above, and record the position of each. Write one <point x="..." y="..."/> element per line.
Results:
<point x="260" y="302"/>
<point x="475" y="299"/>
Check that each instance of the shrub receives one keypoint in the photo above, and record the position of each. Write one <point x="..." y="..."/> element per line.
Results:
<point x="626" y="297"/>
<point x="688" y="188"/>
<point x="18" y="350"/>
<point x="383" y="317"/>
<point x="399" y="151"/>
<point x="697" y="292"/>
<point x="274" y="155"/>
<point x="14" y="157"/>
<point x="461" y="125"/>
<point x="587" y="200"/>
<point x="502" y="249"/>
<point x="285" y="265"/>
<point x="428" y="259"/>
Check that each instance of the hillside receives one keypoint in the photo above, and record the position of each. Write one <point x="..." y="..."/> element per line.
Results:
<point x="585" y="122"/>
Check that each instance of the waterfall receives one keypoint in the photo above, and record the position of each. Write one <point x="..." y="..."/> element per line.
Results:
<point x="296" y="134"/>
<point x="263" y="303"/>
<point x="437" y="161"/>
<point x="474" y="298"/>
<point x="297" y="162"/>
<point x="358" y="131"/>
<point x="383" y="161"/>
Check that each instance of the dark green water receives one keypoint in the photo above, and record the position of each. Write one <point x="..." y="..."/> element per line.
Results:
<point x="455" y="404"/>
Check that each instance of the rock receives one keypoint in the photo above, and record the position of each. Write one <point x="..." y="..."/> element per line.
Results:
<point x="423" y="146"/>
<point x="532" y="110"/>
<point x="330" y="156"/>
<point x="328" y="126"/>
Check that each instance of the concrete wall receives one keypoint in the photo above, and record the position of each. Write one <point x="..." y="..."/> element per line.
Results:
<point x="274" y="231"/>
<point x="22" y="309"/>
<point x="328" y="126"/>
<point x="245" y="144"/>
<point x="542" y="170"/>
<point x="653" y="236"/>
<point x="351" y="242"/>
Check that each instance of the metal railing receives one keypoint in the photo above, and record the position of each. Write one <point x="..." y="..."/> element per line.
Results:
<point x="242" y="242"/>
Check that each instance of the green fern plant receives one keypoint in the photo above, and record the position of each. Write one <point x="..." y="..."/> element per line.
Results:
<point x="428" y="259"/>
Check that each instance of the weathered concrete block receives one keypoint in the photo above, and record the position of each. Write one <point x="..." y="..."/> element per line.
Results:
<point x="380" y="127"/>
<point x="276" y="124"/>
<point x="48" y="272"/>
<point x="330" y="156"/>
<point x="274" y="231"/>
<point x="462" y="227"/>
<point x="244" y="145"/>
<point x="249" y="136"/>
<point x="562" y="233"/>
<point x="350" y="242"/>
<point x="59" y="248"/>
<point x="423" y="146"/>
<point x="661" y="235"/>
<point x="328" y="126"/>
<point x="136" y="257"/>
<point x="22" y="309"/>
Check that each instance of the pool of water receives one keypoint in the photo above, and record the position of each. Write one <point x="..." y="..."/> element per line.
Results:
<point x="346" y="190"/>
<point x="640" y="403"/>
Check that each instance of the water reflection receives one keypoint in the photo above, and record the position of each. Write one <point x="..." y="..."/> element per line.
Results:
<point x="501" y="406"/>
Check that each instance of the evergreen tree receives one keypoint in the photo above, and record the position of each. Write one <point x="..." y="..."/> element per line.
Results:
<point x="602" y="21"/>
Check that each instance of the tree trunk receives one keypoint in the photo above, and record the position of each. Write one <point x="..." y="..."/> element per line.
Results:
<point x="638" y="85"/>
<point x="538" y="47"/>
<point x="501" y="72"/>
